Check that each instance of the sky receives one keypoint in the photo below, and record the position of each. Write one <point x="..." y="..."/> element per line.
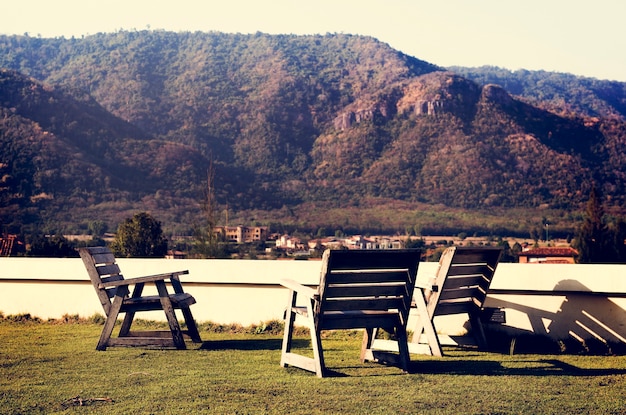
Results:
<point x="581" y="37"/>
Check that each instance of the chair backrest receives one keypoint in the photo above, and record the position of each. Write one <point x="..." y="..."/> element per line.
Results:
<point x="366" y="282"/>
<point x="101" y="267"/>
<point x="463" y="279"/>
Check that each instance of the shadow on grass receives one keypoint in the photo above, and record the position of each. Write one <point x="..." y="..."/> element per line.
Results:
<point x="540" y="367"/>
<point x="248" y="344"/>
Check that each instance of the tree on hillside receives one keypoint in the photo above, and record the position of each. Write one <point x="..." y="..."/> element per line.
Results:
<point x="593" y="237"/>
<point x="618" y="244"/>
<point x="207" y="241"/>
<point x="140" y="236"/>
<point x="97" y="228"/>
<point x="54" y="246"/>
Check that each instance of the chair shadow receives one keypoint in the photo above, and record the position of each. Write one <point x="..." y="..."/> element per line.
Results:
<point x="243" y="344"/>
<point x="540" y="367"/>
<point x="585" y="321"/>
<point x="250" y="344"/>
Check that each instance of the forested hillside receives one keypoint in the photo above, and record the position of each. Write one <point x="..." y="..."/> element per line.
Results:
<point x="560" y="92"/>
<point x="294" y="126"/>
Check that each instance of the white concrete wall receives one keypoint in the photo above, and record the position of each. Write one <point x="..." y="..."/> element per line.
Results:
<point x="248" y="292"/>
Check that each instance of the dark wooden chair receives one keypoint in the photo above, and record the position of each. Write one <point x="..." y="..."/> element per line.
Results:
<point x="114" y="294"/>
<point x="359" y="289"/>
<point x="459" y="286"/>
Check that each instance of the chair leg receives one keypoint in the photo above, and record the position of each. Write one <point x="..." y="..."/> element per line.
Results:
<point x="403" y="348"/>
<point x="368" y="338"/>
<point x="192" y="328"/>
<point x="129" y="316"/>
<point x="128" y="321"/>
<point x="290" y="318"/>
<point x="316" y="342"/>
<point x="109" y="324"/>
<point x="103" y="342"/>
<point x="479" y="331"/>
<point x="315" y="364"/>
<point x="177" y="334"/>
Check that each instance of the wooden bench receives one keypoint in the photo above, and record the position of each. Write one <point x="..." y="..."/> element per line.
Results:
<point x="359" y="289"/>
<point x="114" y="294"/>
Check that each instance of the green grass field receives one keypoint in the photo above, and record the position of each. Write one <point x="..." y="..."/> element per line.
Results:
<point x="51" y="368"/>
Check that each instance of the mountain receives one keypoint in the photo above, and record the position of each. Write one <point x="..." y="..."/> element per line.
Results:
<point x="294" y="126"/>
<point x="62" y="152"/>
<point x="560" y="92"/>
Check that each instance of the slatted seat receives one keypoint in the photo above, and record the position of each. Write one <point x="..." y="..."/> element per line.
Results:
<point x="459" y="287"/>
<point x="360" y="289"/>
<point x="114" y="294"/>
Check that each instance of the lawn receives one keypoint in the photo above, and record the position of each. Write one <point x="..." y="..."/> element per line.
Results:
<point x="51" y="368"/>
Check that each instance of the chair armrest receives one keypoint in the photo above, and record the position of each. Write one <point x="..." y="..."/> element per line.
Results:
<point x="301" y="289"/>
<point x="139" y="280"/>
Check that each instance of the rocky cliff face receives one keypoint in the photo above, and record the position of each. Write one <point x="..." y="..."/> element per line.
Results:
<point x="429" y="95"/>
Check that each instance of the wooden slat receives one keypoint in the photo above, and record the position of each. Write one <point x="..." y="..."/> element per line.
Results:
<point x="111" y="278"/>
<point x="370" y="290"/>
<point x="303" y="362"/>
<point x="153" y="302"/>
<point x="155" y="334"/>
<point x="469" y="269"/>
<point x="352" y="322"/>
<point x="140" y="341"/>
<point x="371" y="303"/>
<point x="452" y="283"/>
<point x="446" y="308"/>
<point x="465" y="255"/>
<point x="93" y="250"/>
<point x="463" y="292"/>
<point x="103" y="258"/>
<point x="148" y="278"/>
<point x="368" y="276"/>
<point x="108" y="269"/>
<point x="373" y="259"/>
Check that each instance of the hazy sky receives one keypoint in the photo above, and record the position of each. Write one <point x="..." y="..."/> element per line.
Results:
<point x="586" y="38"/>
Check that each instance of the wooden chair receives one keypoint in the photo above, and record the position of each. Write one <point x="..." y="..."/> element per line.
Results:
<point x="113" y="292"/>
<point x="459" y="286"/>
<point x="359" y="289"/>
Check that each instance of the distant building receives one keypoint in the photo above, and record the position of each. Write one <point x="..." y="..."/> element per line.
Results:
<point x="326" y="243"/>
<point x="10" y="245"/>
<point x="548" y="255"/>
<point x="242" y="234"/>
<point x="356" y="242"/>
<point x="175" y="255"/>
<point x="383" y="243"/>
<point x="289" y="243"/>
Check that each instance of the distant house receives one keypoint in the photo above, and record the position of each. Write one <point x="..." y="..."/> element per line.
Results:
<point x="242" y="234"/>
<point x="548" y="255"/>
<point x="175" y="255"/>
<point x="10" y="245"/>
<point x="383" y="243"/>
<point x="325" y="243"/>
<point x="287" y="242"/>
<point x="356" y="242"/>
